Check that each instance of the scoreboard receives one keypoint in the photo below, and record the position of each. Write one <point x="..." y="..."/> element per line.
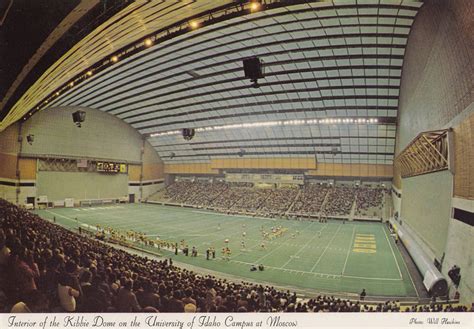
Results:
<point x="111" y="167"/>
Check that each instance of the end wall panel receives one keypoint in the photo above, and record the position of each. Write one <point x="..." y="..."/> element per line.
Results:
<point x="27" y="169"/>
<point x="426" y="208"/>
<point x="8" y="166"/>
<point x="134" y="172"/>
<point x="464" y="159"/>
<point x="79" y="185"/>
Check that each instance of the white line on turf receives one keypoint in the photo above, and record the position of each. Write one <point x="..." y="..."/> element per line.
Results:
<point x="59" y="215"/>
<point x="324" y="251"/>
<point x="366" y="278"/>
<point x="276" y="268"/>
<point x="197" y="235"/>
<point x="327" y="275"/>
<point x="348" y="251"/>
<point x="273" y="250"/>
<point x="393" y="254"/>
<point x="305" y="245"/>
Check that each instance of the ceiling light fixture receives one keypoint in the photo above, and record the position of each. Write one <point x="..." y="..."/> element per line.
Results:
<point x="254" y="6"/>
<point x="148" y="42"/>
<point x="194" y="24"/>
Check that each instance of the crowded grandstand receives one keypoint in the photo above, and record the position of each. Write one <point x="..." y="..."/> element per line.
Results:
<point x="312" y="200"/>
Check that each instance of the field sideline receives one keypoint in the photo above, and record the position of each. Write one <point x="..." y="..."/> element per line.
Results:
<point x="327" y="257"/>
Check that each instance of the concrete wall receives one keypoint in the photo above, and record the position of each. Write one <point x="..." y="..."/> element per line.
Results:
<point x="101" y="136"/>
<point x="147" y="189"/>
<point x="459" y="251"/>
<point x="79" y="185"/>
<point x="9" y="148"/>
<point x="426" y="208"/>
<point x="147" y="179"/>
<point x="437" y="93"/>
<point x="8" y="159"/>
<point x="437" y="81"/>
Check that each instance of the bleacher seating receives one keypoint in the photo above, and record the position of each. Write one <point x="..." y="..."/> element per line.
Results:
<point x="339" y="201"/>
<point x="369" y="202"/>
<point x="311" y="200"/>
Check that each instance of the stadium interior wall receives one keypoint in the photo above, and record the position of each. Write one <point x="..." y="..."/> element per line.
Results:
<point x="101" y="137"/>
<point x="436" y="92"/>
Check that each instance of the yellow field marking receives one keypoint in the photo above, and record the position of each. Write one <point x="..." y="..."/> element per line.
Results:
<point x="365" y="238"/>
<point x="364" y="243"/>
<point x="367" y="251"/>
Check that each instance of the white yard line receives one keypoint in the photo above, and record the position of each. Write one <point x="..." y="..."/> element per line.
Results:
<point x="325" y="249"/>
<point x="366" y="278"/>
<point x="56" y="214"/>
<point x="316" y="273"/>
<point x="409" y="275"/>
<point x="393" y="254"/>
<point x="196" y="235"/>
<point x="348" y="251"/>
<point x="273" y="250"/>
<point x="281" y="268"/>
<point x="302" y="248"/>
<point x="411" y="279"/>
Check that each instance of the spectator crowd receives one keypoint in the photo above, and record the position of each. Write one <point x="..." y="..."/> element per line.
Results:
<point x="311" y="200"/>
<point x="46" y="268"/>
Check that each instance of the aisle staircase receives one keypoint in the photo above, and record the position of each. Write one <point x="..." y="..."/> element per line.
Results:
<point x="291" y="206"/>
<point x="324" y="201"/>
<point x="353" y="209"/>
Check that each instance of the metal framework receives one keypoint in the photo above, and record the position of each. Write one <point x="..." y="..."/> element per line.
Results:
<point x="64" y="165"/>
<point x="428" y="152"/>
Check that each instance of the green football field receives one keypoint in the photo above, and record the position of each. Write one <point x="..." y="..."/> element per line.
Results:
<point x="324" y="257"/>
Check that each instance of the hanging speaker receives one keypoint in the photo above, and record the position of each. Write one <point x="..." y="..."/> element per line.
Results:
<point x="78" y="117"/>
<point x="188" y="133"/>
<point x="253" y="68"/>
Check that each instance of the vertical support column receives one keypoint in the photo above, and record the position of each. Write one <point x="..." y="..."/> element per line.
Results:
<point x="17" y="168"/>
<point x="142" y="152"/>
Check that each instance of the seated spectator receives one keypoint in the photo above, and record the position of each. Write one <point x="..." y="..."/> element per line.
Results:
<point x="126" y="299"/>
<point x="67" y="295"/>
<point x="175" y="304"/>
<point x="149" y="297"/>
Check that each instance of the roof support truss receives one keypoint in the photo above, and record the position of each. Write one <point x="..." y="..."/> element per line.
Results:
<point x="428" y="152"/>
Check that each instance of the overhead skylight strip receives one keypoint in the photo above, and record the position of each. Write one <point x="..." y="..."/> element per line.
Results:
<point x="274" y="124"/>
